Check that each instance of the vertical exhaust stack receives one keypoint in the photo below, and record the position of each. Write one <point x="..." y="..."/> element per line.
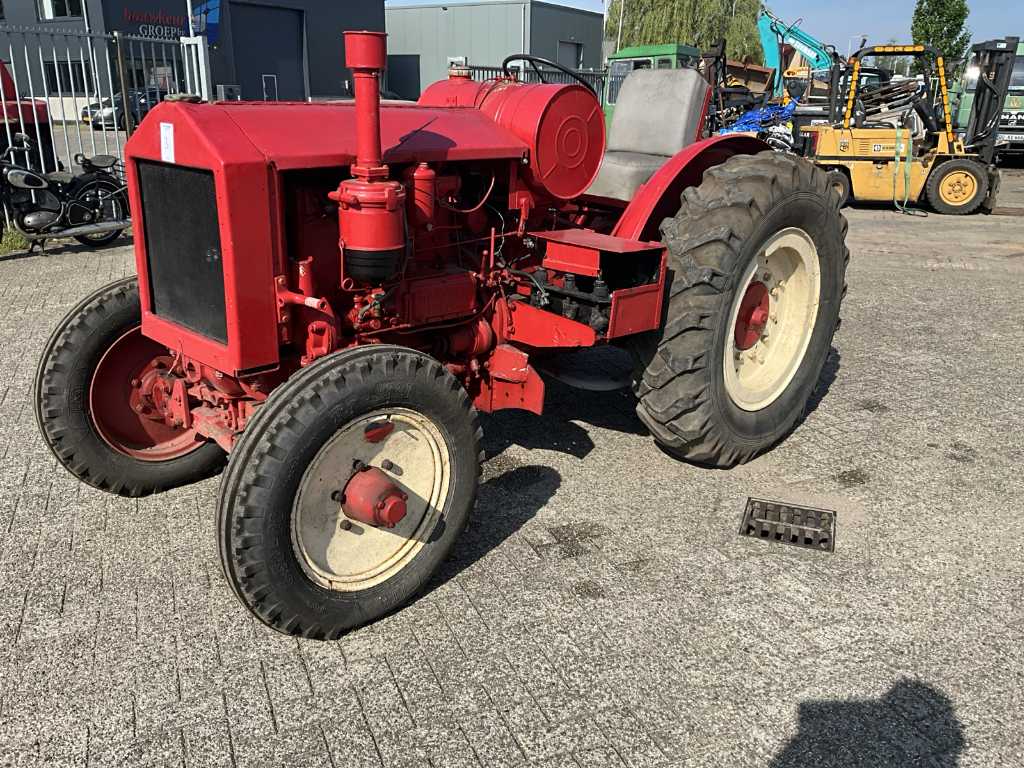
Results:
<point x="371" y="208"/>
<point x="366" y="56"/>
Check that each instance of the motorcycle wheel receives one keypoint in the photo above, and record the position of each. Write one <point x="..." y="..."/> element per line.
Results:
<point x="113" y="208"/>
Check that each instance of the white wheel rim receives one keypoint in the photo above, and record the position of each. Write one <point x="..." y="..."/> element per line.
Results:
<point x="345" y="555"/>
<point x="788" y="267"/>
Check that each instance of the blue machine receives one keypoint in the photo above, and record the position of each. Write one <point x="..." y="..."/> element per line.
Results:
<point x="775" y="33"/>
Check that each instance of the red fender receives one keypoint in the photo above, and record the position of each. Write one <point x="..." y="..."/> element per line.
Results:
<point x="659" y="197"/>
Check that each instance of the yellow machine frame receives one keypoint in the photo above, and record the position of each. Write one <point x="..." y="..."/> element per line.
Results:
<point x="883" y="164"/>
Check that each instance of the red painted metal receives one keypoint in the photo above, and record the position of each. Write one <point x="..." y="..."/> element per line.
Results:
<point x="752" y="316"/>
<point x="659" y="197"/>
<point x="562" y="125"/>
<point x="372" y="498"/>
<point x="511" y="382"/>
<point x="465" y="196"/>
<point x="377" y="431"/>
<point x="129" y="401"/>
<point x="26" y="111"/>
<point x="366" y="55"/>
<point x="536" y="327"/>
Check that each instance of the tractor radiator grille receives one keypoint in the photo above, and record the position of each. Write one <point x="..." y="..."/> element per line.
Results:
<point x="183" y="252"/>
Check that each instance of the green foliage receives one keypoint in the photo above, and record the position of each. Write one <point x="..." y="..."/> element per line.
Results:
<point x="701" y="23"/>
<point x="12" y="241"/>
<point x="942" y="25"/>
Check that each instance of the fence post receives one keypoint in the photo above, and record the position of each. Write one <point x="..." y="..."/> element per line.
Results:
<point x="126" y="107"/>
<point x="198" y="54"/>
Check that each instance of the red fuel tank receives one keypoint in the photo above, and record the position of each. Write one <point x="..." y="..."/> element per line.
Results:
<point x="563" y="126"/>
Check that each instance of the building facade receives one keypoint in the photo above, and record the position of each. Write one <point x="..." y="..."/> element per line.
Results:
<point x="268" y="49"/>
<point x="424" y="39"/>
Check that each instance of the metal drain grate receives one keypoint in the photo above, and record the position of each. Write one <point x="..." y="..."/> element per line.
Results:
<point x="790" y="524"/>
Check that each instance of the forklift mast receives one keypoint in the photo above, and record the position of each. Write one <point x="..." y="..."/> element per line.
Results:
<point x="995" y="59"/>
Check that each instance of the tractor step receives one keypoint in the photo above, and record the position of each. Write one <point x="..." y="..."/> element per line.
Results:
<point x="805" y="527"/>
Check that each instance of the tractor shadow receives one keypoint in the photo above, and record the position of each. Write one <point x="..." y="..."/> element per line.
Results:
<point x="829" y="373"/>
<point x="557" y="429"/>
<point x="505" y="503"/>
<point x="912" y="724"/>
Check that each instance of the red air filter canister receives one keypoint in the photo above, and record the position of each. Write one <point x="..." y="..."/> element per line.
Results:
<point x="371" y="209"/>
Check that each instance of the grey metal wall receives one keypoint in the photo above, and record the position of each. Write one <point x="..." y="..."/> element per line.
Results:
<point x="550" y="24"/>
<point x="422" y="38"/>
<point x="325" y="20"/>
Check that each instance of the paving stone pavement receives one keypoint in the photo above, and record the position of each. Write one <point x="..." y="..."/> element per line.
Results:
<point x="601" y="610"/>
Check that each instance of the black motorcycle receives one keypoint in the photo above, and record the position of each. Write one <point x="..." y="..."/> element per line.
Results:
<point x="91" y="207"/>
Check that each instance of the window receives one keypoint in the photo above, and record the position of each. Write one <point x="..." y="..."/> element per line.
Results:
<point x="1017" y="78"/>
<point x="74" y="79"/>
<point x="664" y="63"/>
<point x="59" y="9"/>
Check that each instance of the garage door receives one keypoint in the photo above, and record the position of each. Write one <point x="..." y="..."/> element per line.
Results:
<point x="268" y="51"/>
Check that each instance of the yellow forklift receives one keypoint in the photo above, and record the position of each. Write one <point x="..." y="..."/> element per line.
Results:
<point x="896" y="142"/>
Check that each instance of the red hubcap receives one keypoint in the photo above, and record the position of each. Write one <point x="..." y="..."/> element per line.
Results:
<point x="372" y="498"/>
<point x="753" y="316"/>
<point x="123" y="401"/>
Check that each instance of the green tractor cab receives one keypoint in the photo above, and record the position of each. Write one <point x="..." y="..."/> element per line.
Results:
<point x="624" y="61"/>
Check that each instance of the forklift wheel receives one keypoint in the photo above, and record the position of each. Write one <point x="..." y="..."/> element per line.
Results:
<point x="348" y="489"/>
<point x="83" y="403"/>
<point x="758" y="265"/>
<point x="840" y="183"/>
<point x="957" y="187"/>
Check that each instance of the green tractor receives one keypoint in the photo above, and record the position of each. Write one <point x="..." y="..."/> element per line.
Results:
<point x="1010" y="141"/>
<point x="624" y="61"/>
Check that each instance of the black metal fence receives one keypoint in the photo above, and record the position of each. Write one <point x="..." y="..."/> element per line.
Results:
<point x="527" y="74"/>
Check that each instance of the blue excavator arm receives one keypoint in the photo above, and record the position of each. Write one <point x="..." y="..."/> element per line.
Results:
<point x="774" y="33"/>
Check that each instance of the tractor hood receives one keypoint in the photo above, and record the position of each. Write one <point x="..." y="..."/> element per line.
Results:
<point x="314" y="135"/>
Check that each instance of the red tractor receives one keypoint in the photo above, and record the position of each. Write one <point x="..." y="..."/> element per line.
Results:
<point x="333" y="317"/>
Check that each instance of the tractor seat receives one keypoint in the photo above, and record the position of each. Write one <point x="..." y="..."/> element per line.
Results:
<point x="658" y="113"/>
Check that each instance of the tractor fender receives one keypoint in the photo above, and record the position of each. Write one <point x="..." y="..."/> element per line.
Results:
<point x="658" y="199"/>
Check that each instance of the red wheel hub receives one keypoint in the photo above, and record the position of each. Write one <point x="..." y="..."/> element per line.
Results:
<point x="371" y="497"/>
<point x="753" y="315"/>
<point x="126" y="401"/>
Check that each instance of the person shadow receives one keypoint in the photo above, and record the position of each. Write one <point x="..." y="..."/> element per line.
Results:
<point x="912" y="724"/>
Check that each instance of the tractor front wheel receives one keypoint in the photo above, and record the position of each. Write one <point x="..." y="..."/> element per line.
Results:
<point x="758" y="263"/>
<point x="957" y="187"/>
<point x="348" y="489"/>
<point x="88" y="408"/>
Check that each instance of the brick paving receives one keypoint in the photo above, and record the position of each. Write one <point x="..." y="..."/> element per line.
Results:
<point x="601" y="610"/>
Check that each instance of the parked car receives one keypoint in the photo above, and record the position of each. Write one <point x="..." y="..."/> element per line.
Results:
<point x="110" y="113"/>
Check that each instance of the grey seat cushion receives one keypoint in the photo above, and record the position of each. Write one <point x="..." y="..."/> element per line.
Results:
<point x="622" y="173"/>
<point x="659" y="112"/>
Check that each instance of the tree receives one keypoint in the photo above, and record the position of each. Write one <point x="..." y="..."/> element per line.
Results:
<point x="700" y="23"/>
<point x="942" y="25"/>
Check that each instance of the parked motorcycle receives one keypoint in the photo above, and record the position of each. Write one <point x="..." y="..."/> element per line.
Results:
<point x="91" y="207"/>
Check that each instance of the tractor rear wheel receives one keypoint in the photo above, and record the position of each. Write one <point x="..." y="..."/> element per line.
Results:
<point x="89" y="413"/>
<point x="348" y="489"/>
<point x="957" y="187"/>
<point x="758" y="263"/>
